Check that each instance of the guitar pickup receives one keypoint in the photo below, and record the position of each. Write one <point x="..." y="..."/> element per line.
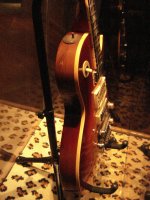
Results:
<point x="99" y="92"/>
<point x="100" y="114"/>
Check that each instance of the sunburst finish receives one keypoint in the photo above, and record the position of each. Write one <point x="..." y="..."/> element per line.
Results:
<point x="79" y="132"/>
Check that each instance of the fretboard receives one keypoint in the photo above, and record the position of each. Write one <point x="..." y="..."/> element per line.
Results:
<point x="95" y="35"/>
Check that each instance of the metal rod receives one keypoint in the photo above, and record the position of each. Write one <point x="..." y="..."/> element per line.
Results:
<point x="43" y="65"/>
<point x="130" y="132"/>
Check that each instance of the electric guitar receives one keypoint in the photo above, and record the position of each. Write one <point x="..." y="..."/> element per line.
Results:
<point x="83" y="87"/>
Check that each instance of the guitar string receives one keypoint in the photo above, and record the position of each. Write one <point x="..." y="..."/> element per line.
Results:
<point x="95" y="39"/>
<point x="98" y="51"/>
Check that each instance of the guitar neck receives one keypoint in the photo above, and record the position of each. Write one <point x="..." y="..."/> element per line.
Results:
<point x="94" y="31"/>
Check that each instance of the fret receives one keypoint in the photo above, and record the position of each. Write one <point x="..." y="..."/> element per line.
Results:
<point x="95" y="28"/>
<point x="97" y="47"/>
<point x="92" y="8"/>
<point x="93" y="11"/>
<point x="91" y="3"/>
<point x="99" y="55"/>
<point x="95" y="31"/>
<point x="98" y="51"/>
<point x="95" y="36"/>
<point x="93" y="19"/>
<point x="99" y="59"/>
<point x="97" y="42"/>
<point x="94" y="23"/>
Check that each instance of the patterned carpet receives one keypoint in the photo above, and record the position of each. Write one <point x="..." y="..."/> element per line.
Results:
<point x="129" y="167"/>
<point x="16" y="128"/>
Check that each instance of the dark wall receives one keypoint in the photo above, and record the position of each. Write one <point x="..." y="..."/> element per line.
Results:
<point x="19" y="73"/>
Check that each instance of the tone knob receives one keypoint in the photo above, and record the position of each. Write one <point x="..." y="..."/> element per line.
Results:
<point x="110" y="105"/>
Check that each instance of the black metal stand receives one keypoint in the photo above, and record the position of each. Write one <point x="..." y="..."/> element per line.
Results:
<point x="147" y="195"/>
<point x="100" y="190"/>
<point x="48" y="112"/>
<point x="145" y="148"/>
<point x="113" y="144"/>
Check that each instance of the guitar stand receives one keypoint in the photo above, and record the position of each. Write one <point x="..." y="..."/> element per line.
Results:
<point x="100" y="190"/>
<point x="48" y="112"/>
<point x="113" y="144"/>
<point x="145" y="148"/>
<point x="25" y="160"/>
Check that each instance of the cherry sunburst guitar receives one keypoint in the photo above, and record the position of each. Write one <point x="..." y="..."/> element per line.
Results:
<point x="83" y="88"/>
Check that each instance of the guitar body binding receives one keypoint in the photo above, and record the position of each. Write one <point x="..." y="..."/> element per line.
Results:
<point x="79" y="131"/>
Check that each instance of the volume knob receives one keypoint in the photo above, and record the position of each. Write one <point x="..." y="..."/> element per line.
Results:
<point x="110" y="105"/>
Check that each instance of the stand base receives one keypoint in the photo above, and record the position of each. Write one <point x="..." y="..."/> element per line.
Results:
<point x="145" y="148"/>
<point x="100" y="190"/>
<point x="147" y="195"/>
<point x="113" y="144"/>
<point x="24" y="160"/>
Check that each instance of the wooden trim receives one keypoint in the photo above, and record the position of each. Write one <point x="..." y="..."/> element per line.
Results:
<point x="76" y="78"/>
<point x="130" y="132"/>
<point x="20" y="106"/>
<point x="9" y="7"/>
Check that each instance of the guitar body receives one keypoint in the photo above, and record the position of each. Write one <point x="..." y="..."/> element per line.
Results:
<point x="77" y="152"/>
<point x="87" y="119"/>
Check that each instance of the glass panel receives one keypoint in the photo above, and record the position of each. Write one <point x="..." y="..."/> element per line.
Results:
<point x="19" y="72"/>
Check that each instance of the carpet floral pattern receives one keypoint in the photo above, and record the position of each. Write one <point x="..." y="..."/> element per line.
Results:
<point x="129" y="167"/>
<point x="16" y="128"/>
